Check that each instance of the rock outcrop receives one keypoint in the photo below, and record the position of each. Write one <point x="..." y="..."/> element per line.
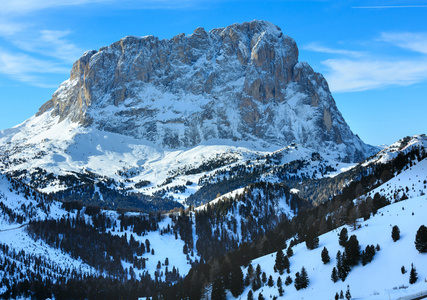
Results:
<point x="240" y="83"/>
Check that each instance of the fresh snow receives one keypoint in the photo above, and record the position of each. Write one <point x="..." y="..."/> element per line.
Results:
<point x="64" y="147"/>
<point x="380" y="279"/>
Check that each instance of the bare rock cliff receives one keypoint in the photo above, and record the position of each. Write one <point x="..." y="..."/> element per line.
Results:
<point x="242" y="82"/>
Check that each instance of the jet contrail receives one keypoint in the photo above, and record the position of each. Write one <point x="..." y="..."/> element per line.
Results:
<point x="393" y="6"/>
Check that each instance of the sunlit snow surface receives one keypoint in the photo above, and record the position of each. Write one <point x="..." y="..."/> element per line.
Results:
<point x="380" y="279"/>
<point x="62" y="148"/>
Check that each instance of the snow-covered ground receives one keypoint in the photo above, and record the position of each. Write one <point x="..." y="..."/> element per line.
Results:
<point x="380" y="279"/>
<point x="14" y="235"/>
<point x="64" y="148"/>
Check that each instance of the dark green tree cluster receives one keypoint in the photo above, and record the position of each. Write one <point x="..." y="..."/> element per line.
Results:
<point x="413" y="275"/>
<point x="301" y="279"/>
<point x="312" y="238"/>
<point x="395" y="233"/>
<point x="282" y="262"/>
<point x="343" y="237"/>
<point x="349" y="258"/>
<point x="75" y="236"/>
<point x="421" y="239"/>
<point x="325" y="256"/>
<point x="367" y="255"/>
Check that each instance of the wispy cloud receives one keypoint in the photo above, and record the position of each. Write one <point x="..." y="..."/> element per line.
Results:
<point x="411" y="41"/>
<point x="29" y="54"/>
<point x="32" y="51"/>
<point x="10" y="28"/>
<point x="322" y="49"/>
<point x="52" y="43"/>
<point x="391" y="6"/>
<point x="352" y="70"/>
<point x="22" y="7"/>
<point x="24" y="68"/>
<point x="345" y="75"/>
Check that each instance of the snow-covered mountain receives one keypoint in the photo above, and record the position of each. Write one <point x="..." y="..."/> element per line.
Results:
<point x="49" y="243"/>
<point x="241" y="83"/>
<point x="151" y="117"/>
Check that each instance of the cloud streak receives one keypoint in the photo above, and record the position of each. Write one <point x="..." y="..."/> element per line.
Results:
<point x="359" y="70"/>
<point x="24" y="68"/>
<point x="390" y="6"/>
<point x="345" y="75"/>
<point x="51" y="43"/>
<point x="22" y="7"/>
<point x="416" y="42"/>
<point x="322" y="49"/>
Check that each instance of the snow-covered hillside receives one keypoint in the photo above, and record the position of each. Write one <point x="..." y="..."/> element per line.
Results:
<point x="72" y="160"/>
<point x="145" y="120"/>
<point x="32" y="258"/>
<point x="27" y="256"/>
<point x="380" y="279"/>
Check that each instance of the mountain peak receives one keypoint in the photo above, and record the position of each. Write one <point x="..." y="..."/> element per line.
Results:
<point x="240" y="83"/>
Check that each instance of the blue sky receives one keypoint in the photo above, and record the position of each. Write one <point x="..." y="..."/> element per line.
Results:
<point x="373" y="53"/>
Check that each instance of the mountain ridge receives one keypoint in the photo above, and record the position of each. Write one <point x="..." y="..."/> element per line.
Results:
<point x="241" y="83"/>
<point x="147" y="119"/>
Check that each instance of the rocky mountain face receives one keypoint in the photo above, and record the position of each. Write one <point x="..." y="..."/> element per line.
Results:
<point x="152" y="124"/>
<point x="239" y="83"/>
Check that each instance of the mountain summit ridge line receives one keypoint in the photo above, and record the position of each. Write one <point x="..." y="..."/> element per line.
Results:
<point x="240" y="83"/>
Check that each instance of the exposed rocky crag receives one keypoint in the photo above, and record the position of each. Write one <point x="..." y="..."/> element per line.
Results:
<point x="147" y="123"/>
<point x="240" y="83"/>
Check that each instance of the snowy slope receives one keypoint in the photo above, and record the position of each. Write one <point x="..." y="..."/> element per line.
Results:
<point x="13" y="235"/>
<point x="20" y="205"/>
<point x="42" y="152"/>
<point x="153" y="117"/>
<point x="402" y="146"/>
<point x="380" y="279"/>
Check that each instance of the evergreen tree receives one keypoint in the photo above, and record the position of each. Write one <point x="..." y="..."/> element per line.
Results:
<point x="337" y="296"/>
<point x="218" y="292"/>
<point x="367" y="255"/>
<point x="352" y="251"/>
<point x="342" y="267"/>
<point x="260" y="296"/>
<point x="413" y="275"/>
<point x="251" y="295"/>
<point x="286" y="264"/>
<point x="301" y="279"/>
<point x="325" y="256"/>
<point x="256" y="283"/>
<point x="279" y="263"/>
<point x="343" y="237"/>
<point x="288" y="280"/>
<point x="258" y="271"/>
<point x="264" y="277"/>
<point x="334" y="275"/>
<point x="297" y="282"/>
<point x="270" y="281"/>
<point x="403" y="270"/>
<point x="421" y="239"/>
<point x="311" y="238"/>
<point x="347" y="293"/>
<point x="250" y="270"/>
<point x="236" y="281"/>
<point x="279" y="286"/>
<point x="304" y="281"/>
<point x="289" y="252"/>
<point x="395" y="233"/>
